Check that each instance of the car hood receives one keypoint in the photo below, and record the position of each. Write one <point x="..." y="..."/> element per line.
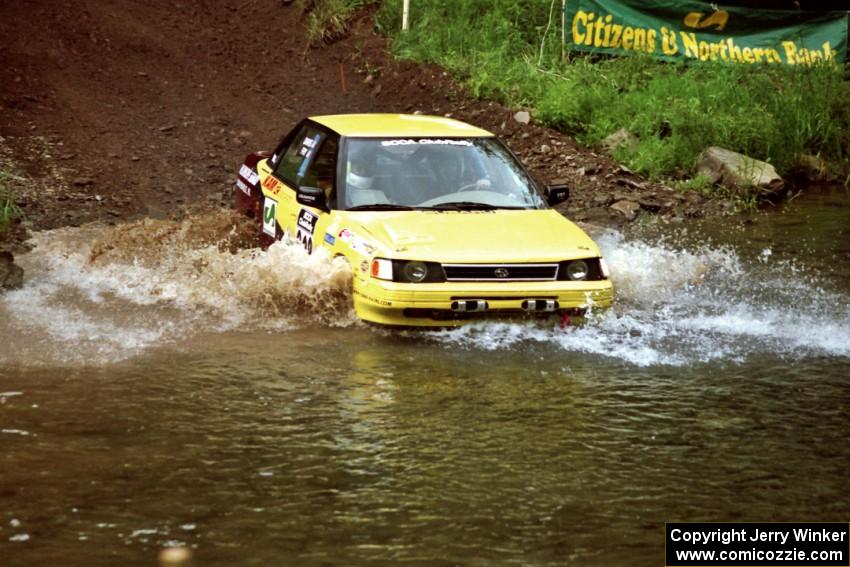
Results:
<point x="473" y="236"/>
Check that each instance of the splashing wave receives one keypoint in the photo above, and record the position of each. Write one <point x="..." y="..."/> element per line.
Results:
<point x="103" y="293"/>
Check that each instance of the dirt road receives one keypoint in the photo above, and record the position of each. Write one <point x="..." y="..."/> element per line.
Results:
<point x="117" y="109"/>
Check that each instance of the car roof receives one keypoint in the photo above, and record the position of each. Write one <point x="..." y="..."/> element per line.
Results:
<point x="398" y="125"/>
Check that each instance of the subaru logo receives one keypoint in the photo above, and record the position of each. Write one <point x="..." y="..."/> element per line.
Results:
<point x="501" y="272"/>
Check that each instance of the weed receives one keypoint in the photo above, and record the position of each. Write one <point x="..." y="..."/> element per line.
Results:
<point x="698" y="184"/>
<point x="327" y="20"/>
<point x="9" y="211"/>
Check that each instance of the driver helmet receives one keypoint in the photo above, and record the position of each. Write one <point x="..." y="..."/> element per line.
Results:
<point x="361" y="169"/>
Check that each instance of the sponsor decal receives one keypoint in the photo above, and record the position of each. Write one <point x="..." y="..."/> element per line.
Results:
<point x="426" y="142"/>
<point x="329" y="238"/>
<point x="271" y="184"/>
<point x="303" y="168"/>
<point x="305" y="226"/>
<point x="270" y="217"/>
<point x="242" y="187"/>
<point x="355" y="242"/>
<point x="249" y="175"/>
<point x="364" y="266"/>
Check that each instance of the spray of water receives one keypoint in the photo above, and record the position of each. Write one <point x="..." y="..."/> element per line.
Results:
<point x="96" y="294"/>
<point x="678" y="306"/>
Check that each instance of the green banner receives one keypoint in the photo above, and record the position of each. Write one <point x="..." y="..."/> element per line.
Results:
<point x="703" y="31"/>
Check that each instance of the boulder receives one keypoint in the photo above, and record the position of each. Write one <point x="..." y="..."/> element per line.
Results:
<point x="628" y="209"/>
<point x="622" y="138"/>
<point x="11" y="275"/>
<point x="739" y="172"/>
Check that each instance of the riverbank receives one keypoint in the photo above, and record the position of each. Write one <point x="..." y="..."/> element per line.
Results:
<point x="513" y="54"/>
<point x="97" y="128"/>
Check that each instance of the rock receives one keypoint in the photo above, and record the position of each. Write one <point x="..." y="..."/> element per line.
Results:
<point x="11" y="275"/>
<point x="602" y="198"/>
<point x="632" y="184"/>
<point x="545" y="149"/>
<point x="523" y="117"/>
<point x="82" y="181"/>
<point x="739" y="172"/>
<point x="167" y="128"/>
<point x="622" y="138"/>
<point x="628" y="209"/>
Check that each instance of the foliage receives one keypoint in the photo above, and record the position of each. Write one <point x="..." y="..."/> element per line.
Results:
<point x="327" y="20"/>
<point x="675" y="109"/>
<point x="9" y="211"/>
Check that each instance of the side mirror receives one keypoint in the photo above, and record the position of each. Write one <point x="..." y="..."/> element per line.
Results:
<point x="311" y="197"/>
<point x="557" y="193"/>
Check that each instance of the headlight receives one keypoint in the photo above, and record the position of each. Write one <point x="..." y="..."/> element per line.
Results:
<point x="577" y="270"/>
<point x="415" y="271"/>
<point x="407" y="271"/>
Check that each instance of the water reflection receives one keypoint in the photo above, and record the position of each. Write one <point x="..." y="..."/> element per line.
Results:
<point x="392" y="449"/>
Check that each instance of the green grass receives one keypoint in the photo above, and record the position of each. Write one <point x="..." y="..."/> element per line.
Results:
<point x="327" y="20"/>
<point x="676" y="110"/>
<point x="9" y="211"/>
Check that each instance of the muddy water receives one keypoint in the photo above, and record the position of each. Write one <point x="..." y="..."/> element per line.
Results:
<point x="157" y="389"/>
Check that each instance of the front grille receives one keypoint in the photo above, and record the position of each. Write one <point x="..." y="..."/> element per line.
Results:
<point x="500" y="272"/>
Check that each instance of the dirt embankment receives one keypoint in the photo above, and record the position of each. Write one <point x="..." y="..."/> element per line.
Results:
<point x="114" y="109"/>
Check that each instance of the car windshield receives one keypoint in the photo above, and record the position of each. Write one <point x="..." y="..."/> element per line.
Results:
<point x="434" y="173"/>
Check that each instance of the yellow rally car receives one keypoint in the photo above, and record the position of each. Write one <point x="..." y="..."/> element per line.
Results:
<point x="439" y="221"/>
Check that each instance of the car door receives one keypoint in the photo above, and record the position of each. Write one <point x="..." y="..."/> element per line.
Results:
<point x="311" y="223"/>
<point x="292" y="165"/>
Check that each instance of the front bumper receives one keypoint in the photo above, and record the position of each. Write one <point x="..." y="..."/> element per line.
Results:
<point x="436" y="304"/>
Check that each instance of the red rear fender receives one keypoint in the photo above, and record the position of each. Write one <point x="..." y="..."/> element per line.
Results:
<point x="247" y="195"/>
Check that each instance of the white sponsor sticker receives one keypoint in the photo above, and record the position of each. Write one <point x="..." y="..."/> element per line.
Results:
<point x="305" y="227"/>
<point x="355" y="242"/>
<point x="249" y="175"/>
<point x="243" y="187"/>
<point x="270" y="217"/>
<point x="426" y="142"/>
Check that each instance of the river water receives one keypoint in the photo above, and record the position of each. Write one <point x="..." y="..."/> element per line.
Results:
<point x="157" y="389"/>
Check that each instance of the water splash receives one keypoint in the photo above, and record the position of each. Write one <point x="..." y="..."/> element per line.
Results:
<point x="682" y="305"/>
<point x="100" y="293"/>
<point x="96" y="294"/>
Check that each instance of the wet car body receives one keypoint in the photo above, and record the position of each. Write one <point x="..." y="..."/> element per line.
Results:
<point x="439" y="222"/>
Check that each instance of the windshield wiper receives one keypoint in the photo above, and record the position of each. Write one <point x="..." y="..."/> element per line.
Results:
<point x="381" y="207"/>
<point x="469" y="206"/>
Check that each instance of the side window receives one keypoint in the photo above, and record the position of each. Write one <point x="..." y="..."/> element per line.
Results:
<point x="292" y="165"/>
<point x="322" y="171"/>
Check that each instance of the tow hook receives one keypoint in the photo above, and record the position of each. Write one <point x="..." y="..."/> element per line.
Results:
<point x="547" y="305"/>
<point x="565" y="320"/>
<point x="470" y="305"/>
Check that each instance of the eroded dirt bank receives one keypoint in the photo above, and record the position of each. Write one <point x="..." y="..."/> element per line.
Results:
<point x="117" y="110"/>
